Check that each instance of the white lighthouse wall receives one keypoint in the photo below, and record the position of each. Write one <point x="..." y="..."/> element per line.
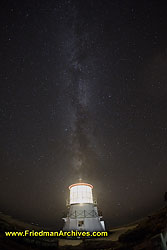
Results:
<point x="81" y="207"/>
<point x="89" y="224"/>
<point x="103" y="225"/>
<point x="83" y="217"/>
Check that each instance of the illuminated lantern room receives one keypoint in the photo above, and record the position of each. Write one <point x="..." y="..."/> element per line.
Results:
<point x="81" y="193"/>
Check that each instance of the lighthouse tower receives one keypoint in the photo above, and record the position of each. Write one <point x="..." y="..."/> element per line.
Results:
<point x="82" y="210"/>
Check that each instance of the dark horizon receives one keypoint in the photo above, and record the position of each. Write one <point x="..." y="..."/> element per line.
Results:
<point x="83" y="95"/>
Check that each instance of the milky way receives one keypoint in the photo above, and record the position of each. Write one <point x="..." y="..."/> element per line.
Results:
<point x="78" y="87"/>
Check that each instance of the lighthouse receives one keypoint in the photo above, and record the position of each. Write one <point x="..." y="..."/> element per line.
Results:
<point x="82" y="210"/>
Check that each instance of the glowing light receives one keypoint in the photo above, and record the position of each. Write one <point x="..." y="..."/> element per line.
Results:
<point x="81" y="193"/>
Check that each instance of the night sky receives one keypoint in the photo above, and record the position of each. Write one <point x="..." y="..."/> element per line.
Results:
<point x="83" y="94"/>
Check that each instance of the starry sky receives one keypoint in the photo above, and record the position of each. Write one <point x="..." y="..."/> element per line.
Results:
<point x="83" y="94"/>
